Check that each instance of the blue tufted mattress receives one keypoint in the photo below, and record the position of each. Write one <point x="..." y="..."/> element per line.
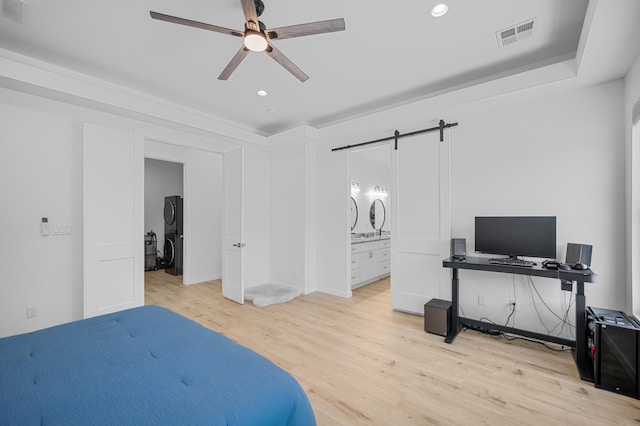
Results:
<point x="142" y="366"/>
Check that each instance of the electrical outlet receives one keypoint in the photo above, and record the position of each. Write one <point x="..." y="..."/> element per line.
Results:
<point x="32" y="311"/>
<point x="482" y="300"/>
<point x="513" y="305"/>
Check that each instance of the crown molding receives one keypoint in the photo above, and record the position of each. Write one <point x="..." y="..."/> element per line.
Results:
<point x="23" y="73"/>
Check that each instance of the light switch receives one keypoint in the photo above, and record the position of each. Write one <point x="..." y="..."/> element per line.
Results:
<point x="44" y="227"/>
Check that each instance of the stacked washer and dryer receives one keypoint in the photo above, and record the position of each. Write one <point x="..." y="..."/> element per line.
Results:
<point x="173" y="234"/>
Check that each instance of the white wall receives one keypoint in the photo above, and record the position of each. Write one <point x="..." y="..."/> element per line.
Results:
<point x="559" y="154"/>
<point x="293" y="198"/>
<point x="632" y="95"/>
<point x="287" y="191"/>
<point x="41" y="176"/>
<point x="161" y="179"/>
<point x="333" y="221"/>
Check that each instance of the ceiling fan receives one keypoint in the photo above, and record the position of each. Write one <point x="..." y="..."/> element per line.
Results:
<point x="258" y="38"/>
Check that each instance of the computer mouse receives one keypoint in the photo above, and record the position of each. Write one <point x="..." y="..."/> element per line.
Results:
<point x="579" y="266"/>
<point x="565" y="266"/>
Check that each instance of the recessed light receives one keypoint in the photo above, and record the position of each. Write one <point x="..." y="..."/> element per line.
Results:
<point x="262" y="93"/>
<point x="270" y="111"/>
<point x="439" y="10"/>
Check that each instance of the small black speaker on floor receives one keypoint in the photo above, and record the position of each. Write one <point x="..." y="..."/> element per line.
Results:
<point x="437" y="316"/>
<point x="578" y="253"/>
<point x="459" y="248"/>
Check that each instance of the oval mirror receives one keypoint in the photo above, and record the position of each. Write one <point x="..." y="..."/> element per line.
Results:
<point x="377" y="214"/>
<point x="354" y="213"/>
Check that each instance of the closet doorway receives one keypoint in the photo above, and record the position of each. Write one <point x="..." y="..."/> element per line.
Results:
<point x="163" y="215"/>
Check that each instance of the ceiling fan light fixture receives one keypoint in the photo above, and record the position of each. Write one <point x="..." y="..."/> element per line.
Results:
<point x="255" y="41"/>
<point x="256" y="37"/>
<point x="439" y="10"/>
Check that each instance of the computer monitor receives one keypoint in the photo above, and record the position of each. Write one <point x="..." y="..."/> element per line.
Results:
<point x="513" y="236"/>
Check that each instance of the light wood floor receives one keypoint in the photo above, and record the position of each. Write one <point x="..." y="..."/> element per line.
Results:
<point x="361" y="363"/>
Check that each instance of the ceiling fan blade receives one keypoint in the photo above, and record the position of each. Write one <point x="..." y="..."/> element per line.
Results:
<point x="279" y="57"/>
<point x="196" y="24"/>
<point x="250" y="14"/>
<point x="311" y="28"/>
<point x="233" y="64"/>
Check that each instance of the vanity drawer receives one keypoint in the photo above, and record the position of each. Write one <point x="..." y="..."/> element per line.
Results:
<point x="385" y="255"/>
<point x="355" y="248"/>
<point x="385" y="243"/>
<point x="355" y="261"/>
<point x="384" y="268"/>
<point x="355" y="275"/>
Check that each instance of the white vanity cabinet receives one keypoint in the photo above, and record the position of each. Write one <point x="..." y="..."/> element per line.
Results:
<point x="369" y="261"/>
<point x="384" y="264"/>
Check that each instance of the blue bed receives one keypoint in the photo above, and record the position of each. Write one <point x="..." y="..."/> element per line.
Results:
<point x="145" y="365"/>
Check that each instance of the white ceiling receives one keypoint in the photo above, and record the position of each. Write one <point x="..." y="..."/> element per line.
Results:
<point x="391" y="53"/>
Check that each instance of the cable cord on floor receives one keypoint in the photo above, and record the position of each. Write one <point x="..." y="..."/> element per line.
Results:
<point x="563" y="321"/>
<point x="497" y="334"/>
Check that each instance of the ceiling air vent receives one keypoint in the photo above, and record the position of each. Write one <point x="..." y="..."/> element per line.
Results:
<point x="12" y="9"/>
<point x="515" y="33"/>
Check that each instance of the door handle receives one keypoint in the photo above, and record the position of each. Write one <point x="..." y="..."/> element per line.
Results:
<point x="239" y="245"/>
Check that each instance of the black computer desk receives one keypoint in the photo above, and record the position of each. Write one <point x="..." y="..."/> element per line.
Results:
<point x="579" y="345"/>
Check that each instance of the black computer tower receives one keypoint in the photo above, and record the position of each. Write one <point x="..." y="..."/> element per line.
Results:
<point x="616" y="344"/>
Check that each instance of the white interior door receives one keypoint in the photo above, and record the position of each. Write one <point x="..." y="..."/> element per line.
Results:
<point x="113" y="168"/>
<point x="233" y="227"/>
<point x="421" y="221"/>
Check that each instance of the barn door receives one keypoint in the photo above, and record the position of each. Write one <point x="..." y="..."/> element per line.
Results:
<point x="421" y="223"/>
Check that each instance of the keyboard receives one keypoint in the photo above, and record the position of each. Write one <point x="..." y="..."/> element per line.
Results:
<point x="508" y="261"/>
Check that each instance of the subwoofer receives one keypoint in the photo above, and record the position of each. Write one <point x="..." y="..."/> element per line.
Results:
<point x="437" y="317"/>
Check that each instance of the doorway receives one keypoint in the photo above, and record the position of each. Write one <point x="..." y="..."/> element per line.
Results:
<point x="164" y="180"/>
<point x="370" y="212"/>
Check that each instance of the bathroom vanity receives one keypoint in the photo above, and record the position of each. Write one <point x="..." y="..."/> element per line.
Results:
<point x="369" y="258"/>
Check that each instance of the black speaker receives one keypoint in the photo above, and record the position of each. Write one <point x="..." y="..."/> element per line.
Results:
<point x="437" y="316"/>
<point x="578" y="253"/>
<point x="458" y="248"/>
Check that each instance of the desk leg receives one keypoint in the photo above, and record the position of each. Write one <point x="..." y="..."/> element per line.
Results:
<point x="580" y="354"/>
<point x="453" y="330"/>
